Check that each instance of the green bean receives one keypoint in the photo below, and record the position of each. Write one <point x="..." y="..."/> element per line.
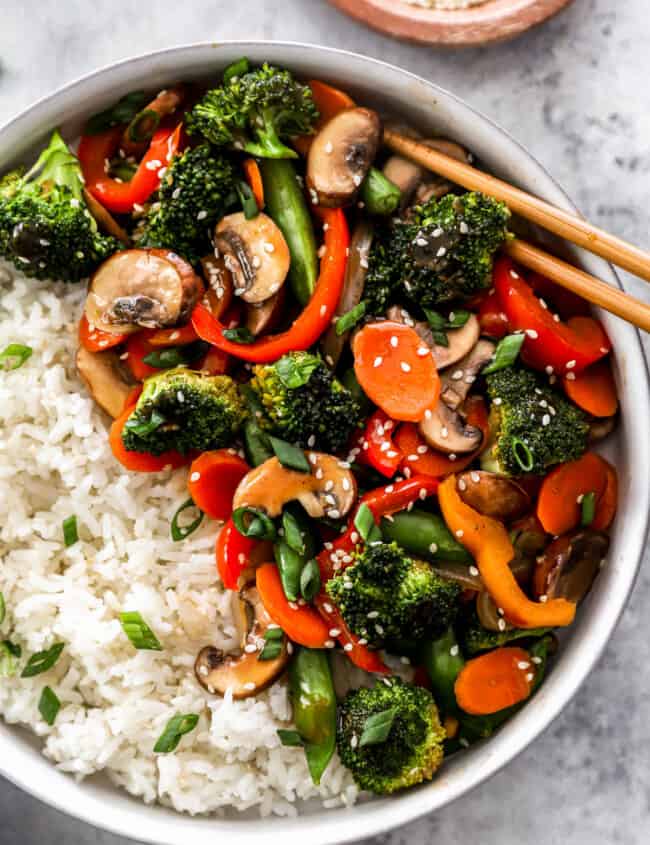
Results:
<point x="443" y="661"/>
<point x="311" y="690"/>
<point x="424" y="534"/>
<point x="379" y="195"/>
<point x="286" y="205"/>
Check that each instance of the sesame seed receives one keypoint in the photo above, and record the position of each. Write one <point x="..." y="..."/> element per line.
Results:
<point x="546" y="419"/>
<point x="249" y="685"/>
<point x="433" y="548"/>
<point x="462" y="485"/>
<point x="463" y="227"/>
<point x="405" y="660"/>
<point x="444" y="432"/>
<point x="421" y="241"/>
<point x="442" y="251"/>
<point x="473" y="571"/>
<point x="428" y="414"/>
<point x="334" y="513"/>
<point x="335" y="632"/>
<point x="405" y="367"/>
<point x="293" y="605"/>
<point x="523" y="664"/>
<point x="548" y="370"/>
<point x="322" y="251"/>
<point x="412" y="457"/>
<point x="195" y="476"/>
<point x="319" y="473"/>
<point x="454" y="650"/>
<point x="348" y="647"/>
<point x="497" y="401"/>
<point x="530" y="677"/>
<point x="329" y="147"/>
<point x="452" y="456"/>
<point x="514" y="275"/>
<point x="345" y="484"/>
<point x="571" y="376"/>
<point x="422" y="351"/>
<point x="536" y="660"/>
<point x="422" y="450"/>
<point x="379" y="629"/>
<point x="556" y="317"/>
<point x="250" y="648"/>
<point x="543" y="599"/>
<point x="323" y="310"/>
<point x="532" y="334"/>
<point x="501" y="624"/>
<point x="580" y="498"/>
<point x="459" y="533"/>
<point x="394" y="341"/>
<point x="378" y="361"/>
<point x="570" y="364"/>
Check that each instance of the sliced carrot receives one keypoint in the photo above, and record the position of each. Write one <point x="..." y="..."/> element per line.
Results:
<point x="558" y="505"/>
<point x="329" y="102"/>
<point x="140" y="461"/>
<point x="95" y="340"/>
<point x="593" y="389"/>
<point x="396" y="370"/>
<point x="137" y="349"/>
<point x="409" y="441"/>
<point x="180" y="336"/>
<point x="489" y="543"/>
<point x="213" y="479"/>
<point x="301" y="623"/>
<point x="608" y="502"/>
<point x="254" y="179"/>
<point x="494" y="681"/>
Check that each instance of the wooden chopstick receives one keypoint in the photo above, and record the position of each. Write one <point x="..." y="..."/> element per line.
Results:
<point x="588" y="287"/>
<point x="562" y="223"/>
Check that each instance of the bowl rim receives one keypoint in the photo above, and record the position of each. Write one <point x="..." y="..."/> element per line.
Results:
<point x="38" y="776"/>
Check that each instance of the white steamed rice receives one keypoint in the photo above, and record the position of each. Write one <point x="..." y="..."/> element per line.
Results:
<point x="55" y="461"/>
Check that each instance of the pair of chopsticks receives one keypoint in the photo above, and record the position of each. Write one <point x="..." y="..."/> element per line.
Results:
<point x="562" y="223"/>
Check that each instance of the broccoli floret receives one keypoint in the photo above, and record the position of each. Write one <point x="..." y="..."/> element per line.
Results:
<point x="192" y="198"/>
<point x="413" y="749"/>
<point x="531" y="426"/>
<point x="305" y="403"/>
<point x="46" y="230"/>
<point x="254" y="111"/>
<point x="442" y="253"/>
<point x="475" y="638"/>
<point x="393" y="597"/>
<point x="182" y="409"/>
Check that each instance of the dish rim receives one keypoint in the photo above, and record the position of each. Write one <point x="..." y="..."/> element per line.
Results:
<point x="38" y="776"/>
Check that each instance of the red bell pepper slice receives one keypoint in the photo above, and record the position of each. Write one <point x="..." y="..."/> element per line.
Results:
<point x="120" y="197"/>
<point x="233" y="554"/>
<point x="96" y="340"/>
<point x="550" y="344"/>
<point x="492" y="318"/>
<point x="180" y="336"/>
<point x="381" y="453"/>
<point x="315" y="317"/>
<point x="138" y="347"/>
<point x="363" y="657"/>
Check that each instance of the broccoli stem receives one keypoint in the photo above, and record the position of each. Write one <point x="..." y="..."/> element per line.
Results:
<point x="269" y="144"/>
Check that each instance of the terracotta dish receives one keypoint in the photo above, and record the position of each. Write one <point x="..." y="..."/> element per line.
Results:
<point x="495" y="20"/>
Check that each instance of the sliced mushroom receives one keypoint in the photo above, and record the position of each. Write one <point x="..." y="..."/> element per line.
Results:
<point x="457" y="384"/>
<point x="601" y="428"/>
<point x="355" y="277"/>
<point x="341" y="155"/>
<point x="135" y="288"/>
<point x="407" y="175"/>
<point x="107" y="381"/>
<point x="263" y="316"/>
<point x="244" y="674"/>
<point x="461" y="340"/>
<point x="493" y="495"/>
<point x="105" y="220"/>
<point x="219" y="285"/>
<point x="256" y="254"/>
<point x="446" y="431"/>
<point x="329" y="489"/>
<point x="568" y="567"/>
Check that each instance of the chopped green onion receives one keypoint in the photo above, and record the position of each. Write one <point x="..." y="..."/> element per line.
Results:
<point x="138" y="632"/>
<point x="273" y="641"/>
<point x="164" y="359"/>
<point x="290" y="738"/>
<point x="364" y="522"/>
<point x="3" y="609"/>
<point x="293" y="536"/>
<point x="49" y="706"/>
<point x="310" y="580"/>
<point x="588" y="508"/>
<point x="239" y="335"/>
<point x="522" y="454"/>
<point x="14" y="356"/>
<point x="123" y="170"/>
<point x="42" y="661"/>
<point x="505" y="354"/>
<point x="377" y="727"/>
<point x="143" y="125"/>
<point x="251" y="522"/>
<point x="295" y="372"/>
<point x="435" y="320"/>
<point x="9" y="656"/>
<point x="180" y="532"/>
<point x="289" y="456"/>
<point x="142" y="428"/>
<point x="457" y="318"/>
<point x="70" y="533"/>
<point x="247" y="199"/>
<point x="121" y="112"/>
<point x="348" y="320"/>
<point x="175" y="729"/>
<point x="235" y="70"/>
<point x="439" y="323"/>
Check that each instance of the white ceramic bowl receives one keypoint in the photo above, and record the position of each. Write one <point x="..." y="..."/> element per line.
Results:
<point x="435" y="110"/>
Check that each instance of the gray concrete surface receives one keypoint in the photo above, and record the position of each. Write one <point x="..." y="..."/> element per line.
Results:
<point x="577" y="93"/>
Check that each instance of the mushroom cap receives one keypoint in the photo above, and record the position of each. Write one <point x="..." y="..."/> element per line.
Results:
<point x="244" y="674"/>
<point x="341" y="154"/>
<point x="141" y="288"/>
<point x="457" y="384"/>
<point x="446" y="431"/>
<point x="493" y="495"/>
<point x="329" y="489"/>
<point x="256" y="254"/>
<point x="569" y="566"/>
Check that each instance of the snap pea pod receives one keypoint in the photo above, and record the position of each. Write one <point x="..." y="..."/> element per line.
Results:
<point x="290" y="560"/>
<point x="379" y="195"/>
<point x="311" y="690"/>
<point x="443" y="661"/>
<point x="286" y="205"/>
<point x="424" y="534"/>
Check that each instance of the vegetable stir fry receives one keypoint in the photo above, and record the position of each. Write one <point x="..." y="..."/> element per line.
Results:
<point x="389" y="424"/>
